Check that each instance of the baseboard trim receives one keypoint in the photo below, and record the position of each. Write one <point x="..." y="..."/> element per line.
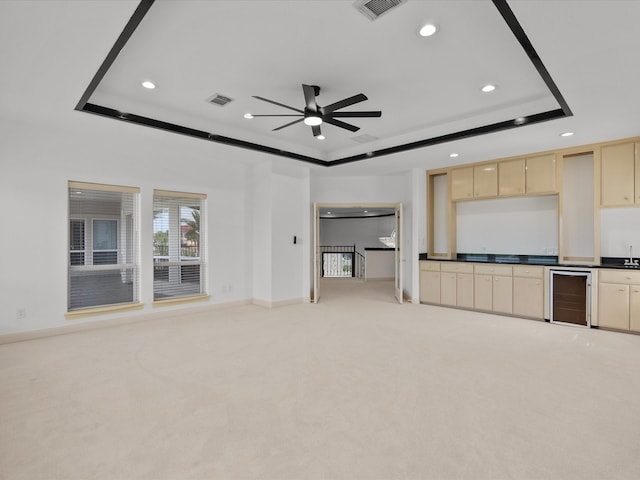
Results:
<point x="280" y="303"/>
<point x="113" y="322"/>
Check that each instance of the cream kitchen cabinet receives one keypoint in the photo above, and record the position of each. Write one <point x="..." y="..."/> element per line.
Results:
<point x="483" y="292"/>
<point x="474" y="182"/>
<point x="619" y="299"/>
<point x="528" y="291"/>
<point x="511" y="177"/>
<point x="485" y="180"/>
<point x="620" y="175"/>
<point x="464" y="290"/>
<point x="493" y="288"/>
<point x="541" y="174"/>
<point x="430" y="282"/>
<point x="462" y="183"/>
<point x="456" y="286"/>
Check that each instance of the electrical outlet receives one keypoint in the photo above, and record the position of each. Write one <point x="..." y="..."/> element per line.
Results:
<point x="21" y="313"/>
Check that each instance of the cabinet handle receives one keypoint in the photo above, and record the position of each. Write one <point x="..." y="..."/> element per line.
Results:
<point x="621" y="289"/>
<point x="626" y="198"/>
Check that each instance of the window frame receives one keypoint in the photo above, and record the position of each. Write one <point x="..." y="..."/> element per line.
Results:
<point x="174" y="261"/>
<point x="127" y="264"/>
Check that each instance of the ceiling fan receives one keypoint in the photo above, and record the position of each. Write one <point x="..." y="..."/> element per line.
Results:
<point x="314" y="115"/>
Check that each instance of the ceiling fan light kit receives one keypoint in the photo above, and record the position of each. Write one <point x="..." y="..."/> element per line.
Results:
<point x="314" y="115"/>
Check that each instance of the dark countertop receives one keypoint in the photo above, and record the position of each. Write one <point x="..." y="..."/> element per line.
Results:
<point x="542" y="260"/>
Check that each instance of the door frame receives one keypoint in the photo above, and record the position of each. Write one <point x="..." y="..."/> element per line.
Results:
<point x="317" y="257"/>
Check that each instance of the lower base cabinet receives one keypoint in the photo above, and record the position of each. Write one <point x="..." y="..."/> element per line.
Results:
<point x="528" y="291"/>
<point x="498" y="288"/>
<point x="464" y="290"/>
<point x="613" y="305"/>
<point x="619" y="300"/>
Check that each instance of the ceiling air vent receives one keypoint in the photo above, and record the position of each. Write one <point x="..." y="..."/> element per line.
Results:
<point x="219" y="100"/>
<point x="372" y="9"/>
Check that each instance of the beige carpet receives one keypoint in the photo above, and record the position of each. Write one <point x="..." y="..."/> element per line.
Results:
<point x="355" y="387"/>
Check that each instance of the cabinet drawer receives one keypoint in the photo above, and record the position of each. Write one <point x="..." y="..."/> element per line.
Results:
<point x="528" y="271"/>
<point x="619" y="276"/>
<point x="493" y="269"/>
<point x="456" y="267"/>
<point x="430" y="266"/>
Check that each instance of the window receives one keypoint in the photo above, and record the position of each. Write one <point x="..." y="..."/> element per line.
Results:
<point x="178" y="239"/>
<point x="103" y="245"/>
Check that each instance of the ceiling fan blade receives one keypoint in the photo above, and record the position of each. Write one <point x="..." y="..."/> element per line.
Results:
<point x="316" y="130"/>
<point x="361" y="97"/>
<point x="279" y="104"/>
<point x="356" y="114"/>
<point x="288" y="124"/>
<point x="340" y="124"/>
<point x="286" y="115"/>
<point x="310" y="97"/>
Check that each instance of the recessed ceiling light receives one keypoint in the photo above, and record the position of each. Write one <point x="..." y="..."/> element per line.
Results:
<point x="453" y="155"/>
<point x="428" y="30"/>
<point x="248" y="116"/>
<point x="148" y="84"/>
<point x="488" y="88"/>
<point x="321" y="137"/>
<point x="566" y="134"/>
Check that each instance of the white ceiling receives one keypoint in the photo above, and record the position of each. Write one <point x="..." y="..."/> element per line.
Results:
<point x="425" y="87"/>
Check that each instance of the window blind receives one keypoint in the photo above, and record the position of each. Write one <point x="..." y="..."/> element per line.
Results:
<point x="103" y="256"/>
<point x="179" y="260"/>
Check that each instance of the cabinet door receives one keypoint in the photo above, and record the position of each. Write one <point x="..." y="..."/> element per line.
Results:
<point x="618" y="174"/>
<point x="502" y="294"/>
<point x="483" y="292"/>
<point x="429" y="286"/>
<point x="448" y="288"/>
<point x="541" y="174"/>
<point x="613" y="306"/>
<point x="462" y="183"/>
<point x="485" y="180"/>
<point x="528" y="297"/>
<point x="464" y="290"/>
<point x="511" y="177"/>
<point x="634" y="308"/>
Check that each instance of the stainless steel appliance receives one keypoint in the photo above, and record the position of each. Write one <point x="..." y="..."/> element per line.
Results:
<point x="570" y="298"/>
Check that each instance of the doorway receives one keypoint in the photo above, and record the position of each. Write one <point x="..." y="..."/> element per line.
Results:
<point x="360" y="210"/>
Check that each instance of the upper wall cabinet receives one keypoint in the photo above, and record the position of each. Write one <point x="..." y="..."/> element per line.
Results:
<point x="474" y="182"/>
<point x="620" y="175"/>
<point x="511" y="177"/>
<point x="462" y="183"/>
<point x="528" y="176"/>
<point x="541" y="174"/>
<point x="485" y="180"/>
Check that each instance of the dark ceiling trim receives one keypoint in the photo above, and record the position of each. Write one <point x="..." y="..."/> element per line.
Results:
<point x="130" y="27"/>
<point x="501" y="5"/>
<point x="517" y="30"/>
<point x="192" y="132"/>
<point x="472" y="132"/>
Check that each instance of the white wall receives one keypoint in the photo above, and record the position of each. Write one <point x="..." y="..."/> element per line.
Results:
<point x="389" y="189"/>
<point x="620" y="227"/>
<point x="361" y="232"/>
<point x="524" y="226"/>
<point x="35" y="169"/>
<point x="290" y="280"/>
